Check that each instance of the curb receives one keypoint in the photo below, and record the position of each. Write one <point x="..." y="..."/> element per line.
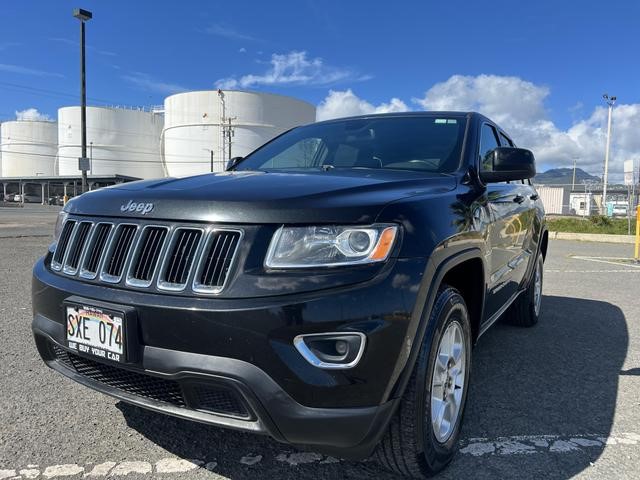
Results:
<point x="593" y="237"/>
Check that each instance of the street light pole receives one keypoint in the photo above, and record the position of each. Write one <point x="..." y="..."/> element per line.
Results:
<point x="610" y="102"/>
<point x="83" y="16"/>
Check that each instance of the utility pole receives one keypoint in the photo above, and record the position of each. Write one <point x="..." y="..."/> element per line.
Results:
<point x="230" y="133"/>
<point x="83" y="16"/>
<point x="573" y="181"/>
<point x="610" y="102"/>
<point x="227" y="129"/>
<point x="223" y="108"/>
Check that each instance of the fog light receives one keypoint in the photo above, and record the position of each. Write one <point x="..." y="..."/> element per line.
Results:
<point x="335" y="350"/>
<point x="342" y="347"/>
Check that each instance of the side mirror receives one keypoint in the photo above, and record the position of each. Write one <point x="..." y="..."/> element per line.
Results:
<point x="231" y="164"/>
<point x="503" y="164"/>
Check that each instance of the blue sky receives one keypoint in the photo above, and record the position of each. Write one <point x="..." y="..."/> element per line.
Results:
<point x="140" y="51"/>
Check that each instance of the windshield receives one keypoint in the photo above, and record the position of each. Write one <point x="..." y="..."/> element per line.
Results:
<point x="419" y="143"/>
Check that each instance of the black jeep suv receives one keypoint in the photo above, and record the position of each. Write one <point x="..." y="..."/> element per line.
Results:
<point x="325" y="290"/>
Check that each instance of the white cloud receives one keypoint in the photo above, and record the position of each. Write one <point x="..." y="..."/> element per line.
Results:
<point x="228" y="32"/>
<point x="499" y="98"/>
<point x="346" y="103"/>
<point x="146" y="82"/>
<point x="242" y="50"/>
<point x="32" y="114"/>
<point x="294" y="68"/>
<point x="19" y="69"/>
<point x="519" y="107"/>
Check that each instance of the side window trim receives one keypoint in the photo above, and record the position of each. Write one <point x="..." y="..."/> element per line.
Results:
<point x="503" y="136"/>
<point x="495" y="136"/>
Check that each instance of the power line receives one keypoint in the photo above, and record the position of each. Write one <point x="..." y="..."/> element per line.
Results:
<point x="104" y="159"/>
<point x="95" y="147"/>
<point x="54" y="93"/>
<point x="188" y="140"/>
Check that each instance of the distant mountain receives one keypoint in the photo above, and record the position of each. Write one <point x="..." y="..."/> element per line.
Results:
<point x="557" y="176"/>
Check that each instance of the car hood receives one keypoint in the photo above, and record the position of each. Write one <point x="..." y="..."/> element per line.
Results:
<point x="341" y="196"/>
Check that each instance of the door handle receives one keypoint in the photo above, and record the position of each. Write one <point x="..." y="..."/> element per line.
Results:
<point x="534" y="196"/>
<point x="518" y="199"/>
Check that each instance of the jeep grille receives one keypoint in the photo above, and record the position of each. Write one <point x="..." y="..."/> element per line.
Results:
<point x="161" y="257"/>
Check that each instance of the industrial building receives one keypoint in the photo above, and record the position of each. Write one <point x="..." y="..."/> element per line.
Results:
<point x="194" y="132"/>
<point x="204" y="129"/>
<point x="555" y="199"/>
<point x="585" y="200"/>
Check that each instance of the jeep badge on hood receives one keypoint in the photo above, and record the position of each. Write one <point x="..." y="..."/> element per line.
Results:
<point x="142" y="208"/>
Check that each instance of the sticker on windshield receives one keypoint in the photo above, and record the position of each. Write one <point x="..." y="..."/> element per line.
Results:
<point x="446" y="120"/>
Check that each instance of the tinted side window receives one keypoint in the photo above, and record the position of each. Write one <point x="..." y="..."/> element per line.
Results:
<point x="505" y="141"/>
<point x="488" y="141"/>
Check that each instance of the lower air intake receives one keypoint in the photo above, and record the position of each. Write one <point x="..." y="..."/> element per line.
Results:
<point x="139" y="384"/>
<point x="216" y="399"/>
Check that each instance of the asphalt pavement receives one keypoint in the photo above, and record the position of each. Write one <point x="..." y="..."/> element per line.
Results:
<point x="557" y="401"/>
<point x="28" y="220"/>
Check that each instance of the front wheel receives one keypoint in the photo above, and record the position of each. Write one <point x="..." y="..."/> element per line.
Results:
<point x="421" y="438"/>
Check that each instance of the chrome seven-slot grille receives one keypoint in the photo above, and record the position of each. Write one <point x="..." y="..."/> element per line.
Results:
<point x="142" y="256"/>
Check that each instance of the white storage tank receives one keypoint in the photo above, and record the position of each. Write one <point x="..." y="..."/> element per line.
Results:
<point x="28" y="148"/>
<point x="119" y="140"/>
<point x="194" y="127"/>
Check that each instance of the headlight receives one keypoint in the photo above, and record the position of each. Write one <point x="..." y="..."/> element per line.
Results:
<point x="330" y="246"/>
<point x="62" y="216"/>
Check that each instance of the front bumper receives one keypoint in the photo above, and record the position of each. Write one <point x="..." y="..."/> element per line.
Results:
<point x="240" y="354"/>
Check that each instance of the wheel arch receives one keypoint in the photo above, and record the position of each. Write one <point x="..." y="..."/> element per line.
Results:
<point x="451" y="268"/>
<point x="468" y="278"/>
<point x="544" y="243"/>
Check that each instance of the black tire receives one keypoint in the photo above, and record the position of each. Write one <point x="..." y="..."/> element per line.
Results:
<point x="409" y="447"/>
<point x="524" y="312"/>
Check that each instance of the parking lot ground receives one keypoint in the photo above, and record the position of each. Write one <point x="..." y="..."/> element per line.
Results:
<point x="28" y="220"/>
<point x="560" y="400"/>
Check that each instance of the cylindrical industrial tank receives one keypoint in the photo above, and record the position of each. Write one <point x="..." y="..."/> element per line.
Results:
<point x="198" y="123"/>
<point x="119" y="141"/>
<point x="28" y="148"/>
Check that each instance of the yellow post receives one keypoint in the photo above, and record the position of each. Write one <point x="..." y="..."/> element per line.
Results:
<point x="637" y="254"/>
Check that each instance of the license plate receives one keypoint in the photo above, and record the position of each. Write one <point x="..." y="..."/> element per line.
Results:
<point x="96" y="331"/>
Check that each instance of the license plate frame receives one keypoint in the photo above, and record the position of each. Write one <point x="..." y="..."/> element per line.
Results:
<point x="97" y="311"/>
